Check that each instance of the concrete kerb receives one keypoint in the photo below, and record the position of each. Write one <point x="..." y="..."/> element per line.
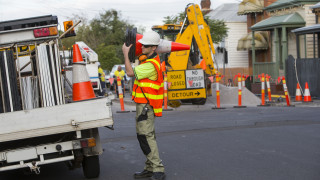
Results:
<point x="229" y="101"/>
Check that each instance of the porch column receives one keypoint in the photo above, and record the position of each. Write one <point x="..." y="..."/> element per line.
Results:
<point x="253" y="48"/>
<point x="277" y="48"/>
<point x="298" y="46"/>
<point x="284" y="47"/>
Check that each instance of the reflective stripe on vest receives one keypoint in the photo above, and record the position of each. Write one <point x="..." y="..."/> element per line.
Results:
<point x="157" y="110"/>
<point x="146" y="84"/>
<point x="155" y="61"/>
<point x="149" y="96"/>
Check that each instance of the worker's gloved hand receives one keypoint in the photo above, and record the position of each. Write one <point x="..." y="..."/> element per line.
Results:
<point x="126" y="49"/>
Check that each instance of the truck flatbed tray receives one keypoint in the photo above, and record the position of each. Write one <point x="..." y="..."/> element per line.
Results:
<point x="57" y="119"/>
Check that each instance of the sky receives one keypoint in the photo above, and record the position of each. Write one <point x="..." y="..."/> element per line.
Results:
<point x="138" y="12"/>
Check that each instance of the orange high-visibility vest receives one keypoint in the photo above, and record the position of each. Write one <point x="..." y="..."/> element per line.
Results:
<point x="153" y="90"/>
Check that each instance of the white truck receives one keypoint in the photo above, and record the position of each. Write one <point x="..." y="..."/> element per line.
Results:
<point x="38" y="127"/>
<point x="91" y="59"/>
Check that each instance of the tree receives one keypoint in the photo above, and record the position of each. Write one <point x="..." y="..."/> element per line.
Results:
<point x="104" y="34"/>
<point x="108" y="56"/>
<point x="174" y="19"/>
<point x="218" y="28"/>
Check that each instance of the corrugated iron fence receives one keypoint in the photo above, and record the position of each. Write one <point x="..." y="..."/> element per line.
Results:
<point x="306" y="70"/>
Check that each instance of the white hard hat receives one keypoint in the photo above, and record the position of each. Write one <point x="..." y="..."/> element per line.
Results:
<point x="150" y="38"/>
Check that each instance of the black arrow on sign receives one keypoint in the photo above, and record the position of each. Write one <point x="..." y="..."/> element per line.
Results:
<point x="197" y="93"/>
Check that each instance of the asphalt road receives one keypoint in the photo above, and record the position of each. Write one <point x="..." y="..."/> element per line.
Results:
<point x="273" y="143"/>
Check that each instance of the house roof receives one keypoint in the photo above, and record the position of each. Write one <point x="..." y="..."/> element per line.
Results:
<point x="292" y="20"/>
<point x="288" y="3"/>
<point x="307" y="30"/>
<point x="315" y="6"/>
<point x="250" y="6"/>
<point x="227" y="12"/>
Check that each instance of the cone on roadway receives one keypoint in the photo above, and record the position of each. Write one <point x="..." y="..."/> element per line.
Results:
<point x="82" y="88"/>
<point x="307" y="95"/>
<point x="298" y="93"/>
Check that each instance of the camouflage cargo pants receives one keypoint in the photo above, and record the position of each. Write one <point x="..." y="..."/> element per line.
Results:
<point x="147" y="138"/>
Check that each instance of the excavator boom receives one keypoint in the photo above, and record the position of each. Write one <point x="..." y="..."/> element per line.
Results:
<point x="199" y="30"/>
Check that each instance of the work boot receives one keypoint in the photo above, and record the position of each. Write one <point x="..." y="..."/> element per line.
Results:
<point x="158" y="176"/>
<point x="143" y="174"/>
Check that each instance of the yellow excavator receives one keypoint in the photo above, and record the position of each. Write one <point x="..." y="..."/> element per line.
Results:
<point x="187" y="79"/>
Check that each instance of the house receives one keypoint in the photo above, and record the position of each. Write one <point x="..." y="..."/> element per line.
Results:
<point x="254" y="12"/>
<point x="305" y="66"/>
<point x="276" y="19"/>
<point x="282" y="17"/>
<point x="237" y="27"/>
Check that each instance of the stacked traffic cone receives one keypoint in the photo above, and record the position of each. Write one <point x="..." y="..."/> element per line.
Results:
<point x="298" y="93"/>
<point x="307" y="95"/>
<point x="165" y="46"/>
<point x="82" y="88"/>
<point x="120" y="96"/>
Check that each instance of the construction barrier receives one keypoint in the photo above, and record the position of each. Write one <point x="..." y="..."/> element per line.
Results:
<point x="244" y="78"/>
<point x="286" y="91"/>
<point x="298" y="93"/>
<point x="239" y="92"/>
<point x="268" y="87"/>
<point x="307" y="95"/>
<point x="120" y="96"/>
<point x="218" y="92"/>
<point x="82" y="88"/>
<point x="263" y="94"/>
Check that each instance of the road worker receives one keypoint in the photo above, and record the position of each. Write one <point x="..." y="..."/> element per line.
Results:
<point x="148" y="95"/>
<point x="102" y="81"/>
<point x="121" y="74"/>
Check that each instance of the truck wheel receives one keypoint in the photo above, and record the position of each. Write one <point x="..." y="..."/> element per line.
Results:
<point x="91" y="166"/>
<point x="199" y="101"/>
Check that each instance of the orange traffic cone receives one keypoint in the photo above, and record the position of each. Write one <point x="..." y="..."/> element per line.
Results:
<point x="307" y="95"/>
<point x="298" y="93"/>
<point x="165" y="46"/>
<point x="82" y="88"/>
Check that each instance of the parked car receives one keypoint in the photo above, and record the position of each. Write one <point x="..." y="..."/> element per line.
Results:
<point x="107" y="77"/>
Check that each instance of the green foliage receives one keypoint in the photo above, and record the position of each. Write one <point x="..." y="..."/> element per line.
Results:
<point x="104" y="34"/>
<point x="174" y="19"/>
<point x="218" y="28"/>
<point x="108" y="56"/>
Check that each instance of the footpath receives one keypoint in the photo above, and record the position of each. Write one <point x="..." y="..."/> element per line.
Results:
<point x="252" y="101"/>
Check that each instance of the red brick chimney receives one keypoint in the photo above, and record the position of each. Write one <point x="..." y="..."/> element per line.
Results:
<point x="205" y="6"/>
